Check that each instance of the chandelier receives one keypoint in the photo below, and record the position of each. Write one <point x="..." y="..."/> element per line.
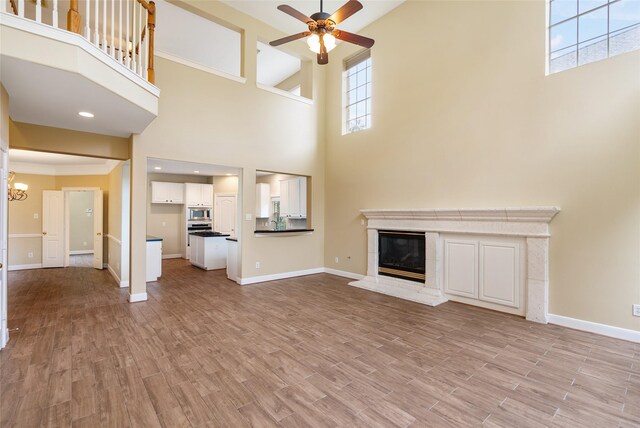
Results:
<point x="17" y="191"/>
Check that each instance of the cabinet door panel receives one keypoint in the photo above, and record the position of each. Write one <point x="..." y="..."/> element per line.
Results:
<point x="284" y="198"/>
<point x="193" y="194"/>
<point x="206" y="195"/>
<point x="175" y="192"/>
<point x="460" y="268"/>
<point x="500" y="273"/>
<point x="303" y="197"/>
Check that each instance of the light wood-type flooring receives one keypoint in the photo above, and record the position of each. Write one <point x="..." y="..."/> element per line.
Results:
<point x="308" y="351"/>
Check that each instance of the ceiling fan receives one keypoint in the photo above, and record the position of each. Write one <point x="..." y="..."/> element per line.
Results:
<point x="322" y="32"/>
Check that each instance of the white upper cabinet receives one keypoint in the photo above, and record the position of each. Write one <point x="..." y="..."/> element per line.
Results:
<point x="293" y="197"/>
<point x="199" y="195"/>
<point x="263" y="200"/>
<point x="167" y="193"/>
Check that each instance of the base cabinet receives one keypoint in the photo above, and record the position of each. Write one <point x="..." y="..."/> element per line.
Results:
<point x="208" y="252"/>
<point x="154" y="260"/>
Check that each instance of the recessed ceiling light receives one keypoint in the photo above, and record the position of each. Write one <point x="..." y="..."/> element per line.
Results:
<point x="228" y="174"/>
<point x="157" y="168"/>
<point x="196" y="172"/>
<point x="85" y="114"/>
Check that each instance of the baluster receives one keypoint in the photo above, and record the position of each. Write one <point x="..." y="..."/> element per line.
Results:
<point x="96" y="34"/>
<point x="126" y="42"/>
<point x="133" y="35"/>
<point x="146" y="46"/>
<point x="120" y="30"/>
<point x="104" y="25"/>
<point x="21" y="8"/>
<point x="141" y="32"/>
<point x="113" y="23"/>
<point x="38" y="10"/>
<point x="87" y="28"/>
<point x="151" y="31"/>
<point x="54" y="14"/>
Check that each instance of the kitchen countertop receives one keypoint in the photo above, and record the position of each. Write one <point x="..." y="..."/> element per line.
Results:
<point x="283" y="231"/>
<point x="232" y="239"/>
<point x="153" y="238"/>
<point x="208" y="234"/>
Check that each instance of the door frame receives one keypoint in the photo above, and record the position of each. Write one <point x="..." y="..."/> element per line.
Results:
<point x="67" y="219"/>
<point x="4" y="242"/>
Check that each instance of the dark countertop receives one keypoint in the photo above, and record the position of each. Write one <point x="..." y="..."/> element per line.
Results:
<point x="153" y="238"/>
<point x="209" y="234"/>
<point x="232" y="239"/>
<point x="283" y="231"/>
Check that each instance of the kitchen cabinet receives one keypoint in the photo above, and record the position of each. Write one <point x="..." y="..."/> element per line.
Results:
<point x="263" y="200"/>
<point x="232" y="259"/>
<point x="486" y="271"/>
<point x="167" y="193"/>
<point x="199" y="195"/>
<point x="208" y="252"/>
<point x="154" y="258"/>
<point x="293" y="197"/>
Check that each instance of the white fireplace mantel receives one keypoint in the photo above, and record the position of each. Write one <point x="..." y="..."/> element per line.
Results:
<point x="528" y="224"/>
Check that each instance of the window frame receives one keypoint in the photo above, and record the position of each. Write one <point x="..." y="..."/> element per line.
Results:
<point x="349" y="64"/>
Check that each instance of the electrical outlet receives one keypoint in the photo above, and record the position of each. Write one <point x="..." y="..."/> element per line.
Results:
<point x="636" y="310"/>
<point x="30" y="255"/>
<point x="337" y="260"/>
<point x="247" y="216"/>
<point x="164" y="223"/>
<point x="35" y="216"/>
<point x="257" y="265"/>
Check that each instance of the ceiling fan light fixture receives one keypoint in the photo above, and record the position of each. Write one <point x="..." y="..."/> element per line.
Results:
<point x="314" y="42"/>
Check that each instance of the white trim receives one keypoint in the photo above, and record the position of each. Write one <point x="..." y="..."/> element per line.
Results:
<point x="79" y="41"/>
<point x="344" y="274"/>
<point x="283" y="275"/>
<point x="113" y="238"/>
<point x="25" y="235"/>
<point x="26" y="267"/>
<point x="592" y="327"/>
<point x="80" y="252"/>
<point x="200" y="67"/>
<point x="171" y="256"/>
<point x="121" y="284"/>
<point x="138" y="297"/>
<point x="284" y="94"/>
<point x="42" y="169"/>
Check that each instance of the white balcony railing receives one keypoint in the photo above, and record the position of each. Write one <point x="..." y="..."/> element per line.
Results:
<point x="124" y="29"/>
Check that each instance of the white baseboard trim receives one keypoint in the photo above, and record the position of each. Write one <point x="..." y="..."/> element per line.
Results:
<point x="80" y="252"/>
<point x="344" y="274"/>
<point x="26" y="267"/>
<point x="4" y="337"/>
<point x="592" y="327"/>
<point x="121" y="284"/>
<point x="275" y="276"/>
<point x="138" y="297"/>
<point x="124" y="284"/>
<point x="171" y="256"/>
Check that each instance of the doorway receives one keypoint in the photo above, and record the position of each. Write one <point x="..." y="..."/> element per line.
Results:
<point x="84" y="241"/>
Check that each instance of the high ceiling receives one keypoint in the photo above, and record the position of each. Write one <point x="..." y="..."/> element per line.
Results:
<point x="266" y="11"/>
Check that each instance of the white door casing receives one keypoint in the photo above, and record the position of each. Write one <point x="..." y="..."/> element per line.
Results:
<point x="224" y="214"/>
<point x="98" y="241"/>
<point x="52" y="228"/>
<point x="4" y="330"/>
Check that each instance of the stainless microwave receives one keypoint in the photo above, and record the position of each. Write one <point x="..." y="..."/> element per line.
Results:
<point x="199" y="214"/>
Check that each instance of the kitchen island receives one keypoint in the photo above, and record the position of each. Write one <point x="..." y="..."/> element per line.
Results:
<point x="208" y="250"/>
<point x="154" y="258"/>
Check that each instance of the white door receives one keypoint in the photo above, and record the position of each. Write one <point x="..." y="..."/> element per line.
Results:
<point x="52" y="228"/>
<point x="224" y="214"/>
<point x="98" y="242"/>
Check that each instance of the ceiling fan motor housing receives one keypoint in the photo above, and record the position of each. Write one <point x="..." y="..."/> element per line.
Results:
<point x="322" y="23"/>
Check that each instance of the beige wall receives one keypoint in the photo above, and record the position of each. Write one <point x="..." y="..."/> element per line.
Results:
<point x="224" y="184"/>
<point x="21" y="214"/>
<point x="44" y="138"/>
<point x="464" y="116"/>
<point x="208" y="119"/>
<point x="80" y="224"/>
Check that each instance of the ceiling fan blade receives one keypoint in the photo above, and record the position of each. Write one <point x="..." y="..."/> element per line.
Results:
<point x="295" y="13"/>
<point x="323" y="56"/>
<point x="347" y="9"/>
<point x="288" y="39"/>
<point x="353" y="38"/>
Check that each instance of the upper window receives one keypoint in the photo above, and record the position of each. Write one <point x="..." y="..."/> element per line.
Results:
<point x="357" y="77"/>
<point x="583" y="31"/>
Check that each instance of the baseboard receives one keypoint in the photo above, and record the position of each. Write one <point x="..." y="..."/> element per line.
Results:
<point x="121" y="284"/>
<point x="124" y="284"/>
<point x="4" y="338"/>
<point x="138" y="297"/>
<point x="276" y="276"/>
<point x="592" y="327"/>
<point x="171" y="256"/>
<point x="80" y="252"/>
<point x="26" y="267"/>
<point x="344" y="274"/>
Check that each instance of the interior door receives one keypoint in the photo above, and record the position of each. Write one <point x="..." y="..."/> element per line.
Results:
<point x="224" y="215"/>
<point x="52" y="228"/>
<point x="98" y="243"/>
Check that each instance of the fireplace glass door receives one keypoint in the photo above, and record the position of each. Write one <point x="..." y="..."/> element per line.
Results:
<point x="402" y="255"/>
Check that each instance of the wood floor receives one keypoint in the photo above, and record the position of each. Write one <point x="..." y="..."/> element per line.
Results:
<point x="309" y="351"/>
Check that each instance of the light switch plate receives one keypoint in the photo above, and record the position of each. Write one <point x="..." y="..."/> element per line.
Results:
<point x="636" y="310"/>
<point x="35" y="216"/>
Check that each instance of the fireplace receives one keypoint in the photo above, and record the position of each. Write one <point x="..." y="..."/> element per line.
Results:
<point x="402" y="255"/>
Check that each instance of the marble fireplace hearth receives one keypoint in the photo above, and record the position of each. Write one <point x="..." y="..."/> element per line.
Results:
<point x="525" y="231"/>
